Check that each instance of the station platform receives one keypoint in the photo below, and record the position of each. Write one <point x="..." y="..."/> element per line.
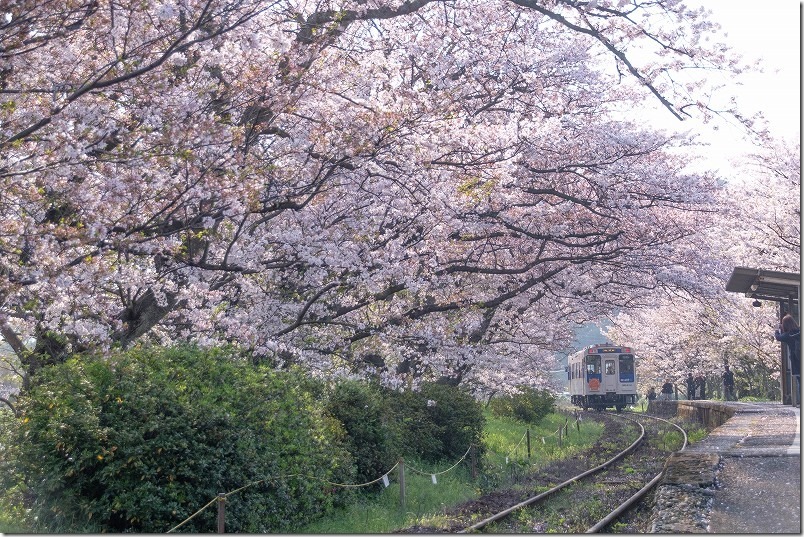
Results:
<point x="749" y="466"/>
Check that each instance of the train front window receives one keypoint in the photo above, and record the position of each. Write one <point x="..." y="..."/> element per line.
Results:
<point x="626" y="363"/>
<point x="593" y="364"/>
<point x="610" y="369"/>
<point x="627" y="368"/>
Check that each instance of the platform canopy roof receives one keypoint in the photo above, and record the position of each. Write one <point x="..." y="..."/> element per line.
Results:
<point x="771" y="285"/>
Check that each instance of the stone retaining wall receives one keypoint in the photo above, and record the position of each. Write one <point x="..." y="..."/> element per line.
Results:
<point x="663" y="409"/>
<point x="684" y="496"/>
<point x="711" y="414"/>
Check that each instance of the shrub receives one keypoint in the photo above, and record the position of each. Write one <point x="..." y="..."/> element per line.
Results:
<point x="360" y="408"/>
<point x="436" y="423"/>
<point x="413" y="434"/>
<point x="140" y="441"/>
<point x="529" y="405"/>
<point x="12" y="512"/>
<point x="457" y="415"/>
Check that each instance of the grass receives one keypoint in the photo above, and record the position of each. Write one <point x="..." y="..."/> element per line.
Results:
<point x="695" y="432"/>
<point x="383" y="512"/>
<point x="507" y="446"/>
<point x="425" y="502"/>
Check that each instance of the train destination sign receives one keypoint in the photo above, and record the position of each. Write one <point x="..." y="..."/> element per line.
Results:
<point x="603" y="350"/>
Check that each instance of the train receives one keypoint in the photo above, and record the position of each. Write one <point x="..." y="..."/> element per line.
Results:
<point x="602" y="376"/>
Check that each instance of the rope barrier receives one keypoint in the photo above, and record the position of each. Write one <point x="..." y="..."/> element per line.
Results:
<point x="564" y="427"/>
<point x="445" y="471"/>
<point x="554" y="433"/>
<point x="544" y="438"/>
<point x="516" y="446"/>
<point x="346" y="485"/>
<point x="361" y="484"/>
<point x="188" y="519"/>
<point x="349" y="485"/>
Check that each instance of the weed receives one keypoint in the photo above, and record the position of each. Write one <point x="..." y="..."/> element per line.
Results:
<point x="695" y="432"/>
<point x="618" y="527"/>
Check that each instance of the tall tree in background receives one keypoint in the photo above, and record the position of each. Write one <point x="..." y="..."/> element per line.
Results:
<point x="767" y="214"/>
<point x="412" y="188"/>
<point x="761" y="227"/>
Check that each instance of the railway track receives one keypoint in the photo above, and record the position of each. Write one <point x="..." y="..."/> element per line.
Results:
<point x="593" y="483"/>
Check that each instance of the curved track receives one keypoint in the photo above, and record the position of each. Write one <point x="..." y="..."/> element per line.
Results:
<point x="623" y="507"/>
<point x="613" y="515"/>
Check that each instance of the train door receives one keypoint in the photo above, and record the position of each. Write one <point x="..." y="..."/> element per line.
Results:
<point x="593" y="376"/>
<point x="610" y="375"/>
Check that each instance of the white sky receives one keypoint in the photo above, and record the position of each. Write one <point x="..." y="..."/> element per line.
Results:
<point x="771" y="32"/>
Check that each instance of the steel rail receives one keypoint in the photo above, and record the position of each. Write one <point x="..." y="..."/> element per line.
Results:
<point x="545" y="494"/>
<point x="623" y="507"/>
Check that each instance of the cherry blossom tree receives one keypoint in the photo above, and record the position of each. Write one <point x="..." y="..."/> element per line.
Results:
<point x="410" y="188"/>
<point x="759" y="226"/>
<point x="768" y="207"/>
<point x="678" y="337"/>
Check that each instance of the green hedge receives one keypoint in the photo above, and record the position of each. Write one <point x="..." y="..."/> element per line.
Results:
<point x="141" y="440"/>
<point x="361" y="408"/>
<point x="529" y="405"/>
<point x="436" y="423"/>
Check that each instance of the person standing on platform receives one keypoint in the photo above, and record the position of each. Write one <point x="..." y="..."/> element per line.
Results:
<point x="690" y="387"/>
<point x="790" y="333"/>
<point x="667" y="390"/>
<point x="651" y="395"/>
<point x="728" y="384"/>
<point x="700" y="387"/>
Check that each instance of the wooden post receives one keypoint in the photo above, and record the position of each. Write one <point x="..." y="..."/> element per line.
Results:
<point x="528" y="435"/>
<point x="221" y="512"/>
<point x="559" y="436"/>
<point x="402" y="483"/>
<point x="473" y="450"/>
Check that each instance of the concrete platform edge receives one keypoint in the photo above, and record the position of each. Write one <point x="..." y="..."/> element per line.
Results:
<point x="685" y="496"/>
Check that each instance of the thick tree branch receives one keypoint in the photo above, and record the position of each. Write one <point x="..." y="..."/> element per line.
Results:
<point x="534" y="5"/>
